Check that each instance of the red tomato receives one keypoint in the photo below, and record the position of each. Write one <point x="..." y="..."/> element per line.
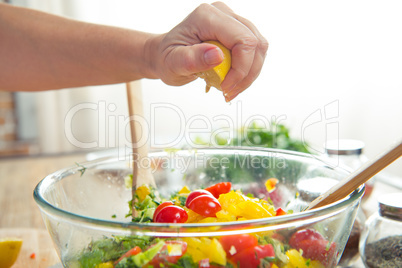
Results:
<point x="250" y="257"/>
<point x="280" y="212"/>
<point x="164" y="258"/>
<point x="219" y="188"/>
<point x="302" y="235"/>
<point x="172" y="214"/>
<point x="314" y="246"/>
<point x="159" y="208"/>
<point x="205" y="205"/>
<point x="246" y="258"/>
<point x="320" y="250"/>
<point x="264" y="251"/>
<point x="134" y="251"/>
<point x="194" y="194"/>
<point x="237" y="243"/>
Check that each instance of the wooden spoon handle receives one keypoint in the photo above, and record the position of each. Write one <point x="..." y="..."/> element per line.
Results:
<point x="141" y="170"/>
<point x="358" y="177"/>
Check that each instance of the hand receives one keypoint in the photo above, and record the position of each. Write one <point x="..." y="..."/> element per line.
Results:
<point x="182" y="53"/>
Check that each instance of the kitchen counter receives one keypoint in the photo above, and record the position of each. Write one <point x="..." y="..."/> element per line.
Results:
<point x="20" y="216"/>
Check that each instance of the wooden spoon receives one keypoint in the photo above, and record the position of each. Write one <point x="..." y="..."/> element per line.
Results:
<point x="358" y="177"/>
<point x="142" y="173"/>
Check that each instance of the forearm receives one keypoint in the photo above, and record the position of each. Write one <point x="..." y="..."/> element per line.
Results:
<point x="40" y="51"/>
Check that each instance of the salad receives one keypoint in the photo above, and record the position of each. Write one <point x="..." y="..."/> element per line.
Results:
<point x="216" y="203"/>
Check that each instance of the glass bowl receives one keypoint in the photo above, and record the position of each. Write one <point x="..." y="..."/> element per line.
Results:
<point x="85" y="210"/>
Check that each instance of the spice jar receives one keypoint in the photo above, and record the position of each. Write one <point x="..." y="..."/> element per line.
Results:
<point x="381" y="242"/>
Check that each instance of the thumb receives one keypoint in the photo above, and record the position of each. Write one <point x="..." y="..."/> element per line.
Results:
<point x="188" y="60"/>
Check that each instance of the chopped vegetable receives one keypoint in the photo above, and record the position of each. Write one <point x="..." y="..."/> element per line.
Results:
<point x="217" y="203"/>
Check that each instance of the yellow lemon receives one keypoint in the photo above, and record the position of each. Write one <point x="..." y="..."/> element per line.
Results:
<point x="9" y="250"/>
<point x="214" y="77"/>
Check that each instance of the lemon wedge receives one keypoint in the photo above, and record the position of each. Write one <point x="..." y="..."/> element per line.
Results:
<point x="9" y="251"/>
<point x="214" y="77"/>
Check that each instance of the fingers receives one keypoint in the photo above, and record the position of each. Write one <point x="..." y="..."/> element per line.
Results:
<point x="247" y="57"/>
<point x="187" y="60"/>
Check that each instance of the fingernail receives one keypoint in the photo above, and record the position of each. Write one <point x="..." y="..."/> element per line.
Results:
<point x="232" y="95"/>
<point x="213" y="56"/>
<point x="227" y="91"/>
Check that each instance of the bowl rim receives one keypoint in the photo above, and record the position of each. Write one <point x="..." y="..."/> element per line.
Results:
<point x="193" y="229"/>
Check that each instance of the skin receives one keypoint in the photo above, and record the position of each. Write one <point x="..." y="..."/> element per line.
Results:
<point x="40" y="51"/>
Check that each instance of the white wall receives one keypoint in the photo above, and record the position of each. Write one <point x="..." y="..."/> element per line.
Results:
<point x="340" y="57"/>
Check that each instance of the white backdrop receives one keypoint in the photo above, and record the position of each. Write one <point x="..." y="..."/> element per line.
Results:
<point x="333" y="69"/>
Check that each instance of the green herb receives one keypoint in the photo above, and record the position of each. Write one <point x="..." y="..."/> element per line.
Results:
<point x="270" y="201"/>
<point x="145" y="208"/>
<point x="110" y="249"/>
<point x="81" y="169"/>
<point x="182" y="200"/>
<point x="276" y="136"/>
<point x="141" y="258"/>
<point x="185" y="261"/>
<point x="328" y="246"/>
<point x="171" y="150"/>
<point x="250" y="195"/>
<point x="114" y="216"/>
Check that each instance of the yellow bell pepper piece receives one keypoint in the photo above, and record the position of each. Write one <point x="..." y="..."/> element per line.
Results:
<point x="205" y="248"/>
<point x="105" y="265"/>
<point x="143" y="191"/>
<point x="224" y="216"/>
<point x="209" y="219"/>
<point x="253" y="210"/>
<point x="296" y="260"/>
<point x="192" y="216"/>
<point x="231" y="198"/>
<point x="270" y="184"/>
<point x="185" y="190"/>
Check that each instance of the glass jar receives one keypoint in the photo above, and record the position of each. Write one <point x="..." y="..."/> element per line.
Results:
<point x="381" y="242"/>
<point x="349" y="152"/>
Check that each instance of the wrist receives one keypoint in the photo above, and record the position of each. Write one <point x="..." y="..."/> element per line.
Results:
<point x="151" y="56"/>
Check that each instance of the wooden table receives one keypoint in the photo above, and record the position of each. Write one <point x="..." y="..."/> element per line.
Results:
<point x="20" y="216"/>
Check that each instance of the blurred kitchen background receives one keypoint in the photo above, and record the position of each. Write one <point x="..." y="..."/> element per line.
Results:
<point x="333" y="70"/>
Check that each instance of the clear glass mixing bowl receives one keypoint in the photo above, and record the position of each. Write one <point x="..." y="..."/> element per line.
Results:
<point x="86" y="204"/>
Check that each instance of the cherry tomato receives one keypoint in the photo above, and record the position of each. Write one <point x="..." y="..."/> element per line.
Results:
<point x="280" y="212"/>
<point x="304" y="234"/>
<point x="164" y="257"/>
<point x="205" y="205"/>
<point x="314" y="245"/>
<point x="194" y="194"/>
<point x="172" y="214"/>
<point x="233" y="244"/>
<point x="159" y="208"/>
<point x="264" y="251"/>
<point x="250" y="257"/>
<point x="320" y="250"/>
<point x="219" y="188"/>
<point x="134" y="251"/>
